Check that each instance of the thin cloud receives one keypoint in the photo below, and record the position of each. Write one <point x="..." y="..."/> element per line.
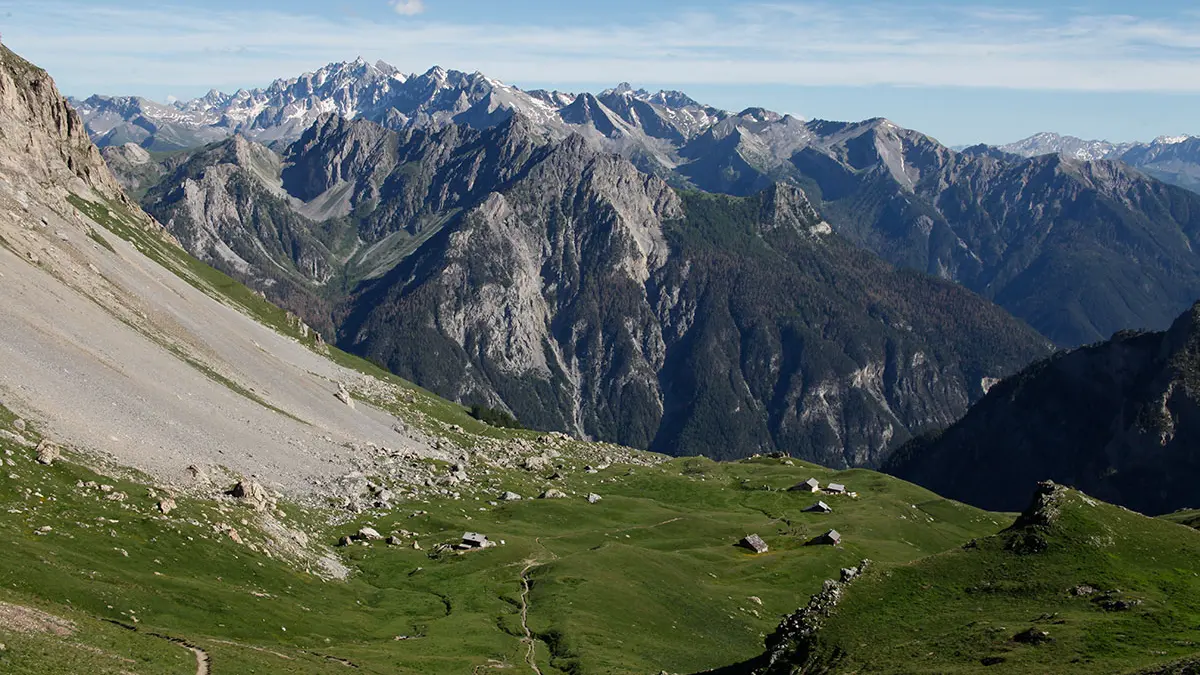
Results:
<point x="814" y="43"/>
<point x="408" y="7"/>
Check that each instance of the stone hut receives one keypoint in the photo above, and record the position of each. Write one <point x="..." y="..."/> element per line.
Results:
<point x="754" y="543"/>
<point x="474" y="540"/>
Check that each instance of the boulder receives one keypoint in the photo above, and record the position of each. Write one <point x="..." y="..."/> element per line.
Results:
<point x="537" y="463"/>
<point x="368" y="534"/>
<point x="1033" y="636"/>
<point x="19" y="425"/>
<point x="197" y="474"/>
<point x="593" y="498"/>
<point x="345" y="541"/>
<point x="344" y="396"/>
<point x="166" y="506"/>
<point x="47" y="452"/>
<point x="254" y="494"/>
<point x="553" y="494"/>
<point x="394" y="541"/>
<point x="510" y="497"/>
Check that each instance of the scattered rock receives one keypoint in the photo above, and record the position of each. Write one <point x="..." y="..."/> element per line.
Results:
<point x="233" y="534"/>
<point x="848" y="573"/>
<point x="756" y="600"/>
<point x="166" y="506"/>
<point x="15" y="438"/>
<point x="1110" y="603"/>
<point x="1083" y="590"/>
<point x="510" y="497"/>
<point x="1033" y="636"/>
<point x="117" y="497"/>
<point x="345" y="541"/>
<point x="19" y="425"/>
<point x="197" y="474"/>
<point x="553" y="493"/>
<point x="593" y="498"/>
<point x="47" y="452"/>
<point x="537" y="463"/>
<point x="394" y="541"/>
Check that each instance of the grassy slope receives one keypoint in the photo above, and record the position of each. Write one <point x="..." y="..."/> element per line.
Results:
<point x="647" y="579"/>
<point x="949" y="612"/>
<point x="619" y="589"/>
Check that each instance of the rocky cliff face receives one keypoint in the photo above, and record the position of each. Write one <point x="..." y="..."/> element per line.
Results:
<point x="44" y="136"/>
<point x="1118" y="420"/>
<point x="588" y="296"/>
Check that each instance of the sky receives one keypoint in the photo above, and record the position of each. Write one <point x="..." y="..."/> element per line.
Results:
<point x="963" y="71"/>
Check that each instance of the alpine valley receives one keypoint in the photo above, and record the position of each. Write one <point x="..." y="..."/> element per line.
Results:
<point x="631" y="266"/>
<point x="266" y="360"/>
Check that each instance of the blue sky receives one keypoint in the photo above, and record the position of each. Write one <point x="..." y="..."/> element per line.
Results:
<point x="961" y="70"/>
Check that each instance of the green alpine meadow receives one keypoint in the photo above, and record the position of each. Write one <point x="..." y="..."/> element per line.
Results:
<point x="363" y="370"/>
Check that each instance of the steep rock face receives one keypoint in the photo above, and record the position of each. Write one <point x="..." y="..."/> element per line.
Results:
<point x="537" y="294"/>
<point x="591" y="297"/>
<point x="135" y="169"/>
<point x="1005" y="226"/>
<point x="226" y="206"/>
<point x="45" y="134"/>
<point x="346" y="201"/>
<point x="1118" y="420"/>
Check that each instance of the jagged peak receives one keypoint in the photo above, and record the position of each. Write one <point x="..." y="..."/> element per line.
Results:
<point x="786" y="205"/>
<point x="575" y="144"/>
<point x="758" y="114"/>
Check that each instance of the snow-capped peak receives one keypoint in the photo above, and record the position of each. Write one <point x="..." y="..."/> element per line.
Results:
<point x="1172" y="140"/>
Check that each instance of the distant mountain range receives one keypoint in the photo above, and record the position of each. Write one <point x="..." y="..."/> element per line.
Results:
<point x="1004" y="226"/>
<point x="1174" y="159"/>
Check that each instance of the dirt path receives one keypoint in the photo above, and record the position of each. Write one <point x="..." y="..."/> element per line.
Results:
<point x="202" y="659"/>
<point x="529" y="640"/>
<point x="201" y="656"/>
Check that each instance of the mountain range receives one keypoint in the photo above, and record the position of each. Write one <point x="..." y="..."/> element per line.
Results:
<point x="560" y="283"/>
<point x="1000" y="224"/>
<point x="1174" y="159"/>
